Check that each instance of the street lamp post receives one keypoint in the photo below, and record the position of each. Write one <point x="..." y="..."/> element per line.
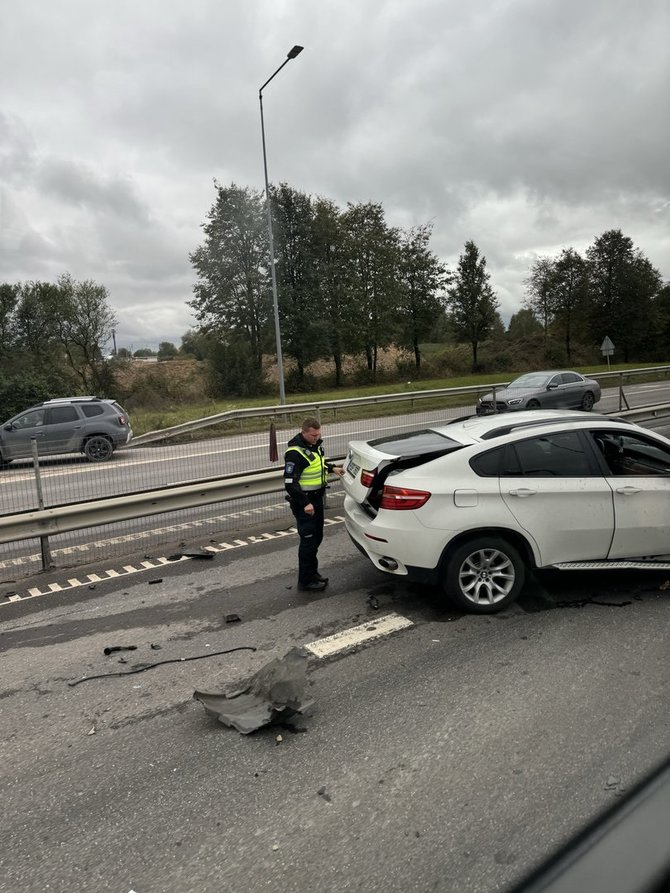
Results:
<point x="295" y="51"/>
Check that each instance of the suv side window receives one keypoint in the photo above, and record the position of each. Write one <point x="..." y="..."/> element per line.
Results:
<point x="91" y="409"/>
<point x="30" y="419"/>
<point x="554" y="455"/>
<point x="488" y="464"/>
<point x="632" y="454"/>
<point x="59" y="414"/>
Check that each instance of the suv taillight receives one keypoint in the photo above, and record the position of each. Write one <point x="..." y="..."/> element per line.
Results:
<point x="122" y="420"/>
<point x="402" y="498"/>
<point x="367" y="477"/>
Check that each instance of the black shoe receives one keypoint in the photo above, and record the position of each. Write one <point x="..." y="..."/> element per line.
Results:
<point x="320" y="579"/>
<point x="314" y="586"/>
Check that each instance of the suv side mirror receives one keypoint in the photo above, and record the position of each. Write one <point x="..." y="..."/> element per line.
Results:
<point x="552" y="386"/>
<point x="9" y="427"/>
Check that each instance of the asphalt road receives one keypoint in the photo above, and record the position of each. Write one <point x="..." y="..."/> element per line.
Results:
<point x="449" y="756"/>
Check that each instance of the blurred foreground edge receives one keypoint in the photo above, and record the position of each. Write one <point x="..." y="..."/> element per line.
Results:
<point x="624" y="850"/>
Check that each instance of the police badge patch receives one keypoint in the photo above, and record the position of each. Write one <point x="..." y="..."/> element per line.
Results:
<point x="289" y="468"/>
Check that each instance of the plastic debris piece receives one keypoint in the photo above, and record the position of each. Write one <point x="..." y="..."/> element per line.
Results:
<point x="155" y="647"/>
<point x="274" y="693"/>
<point x="279" y="739"/>
<point x="92" y="731"/>
<point x="157" y="580"/>
<point x="232" y="618"/>
<point x="112" y="648"/>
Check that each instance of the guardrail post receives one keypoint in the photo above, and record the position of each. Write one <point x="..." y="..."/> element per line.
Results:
<point x="622" y="396"/>
<point x="44" y="540"/>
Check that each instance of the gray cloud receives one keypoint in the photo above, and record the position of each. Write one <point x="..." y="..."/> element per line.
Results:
<point x="525" y="126"/>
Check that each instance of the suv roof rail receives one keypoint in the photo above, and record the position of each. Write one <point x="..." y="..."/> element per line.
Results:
<point x="70" y="399"/>
<point x="532" y="423"/>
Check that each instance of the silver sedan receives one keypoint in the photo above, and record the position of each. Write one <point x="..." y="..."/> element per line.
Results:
<point x="553" y="389"/>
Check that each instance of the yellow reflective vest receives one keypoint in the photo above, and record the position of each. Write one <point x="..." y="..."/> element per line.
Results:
<point x="315" y="475"/>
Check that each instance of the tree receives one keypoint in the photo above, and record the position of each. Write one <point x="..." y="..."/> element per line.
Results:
<point x="568" y="292"/>
<point x="421" y="278"/>
<point x="372" y="250"/>
<point x="36" y="319"/>
<point x="301" y="318"/>
<point x="622" y="287"/>
<point x="471" y="300"/>
<point x="661" y="317"/>
<point x="333" y="276"/>
<point x="524" y="324"/>
<point x="232" y="295"/>
<point x="9" y="295"/>
<point x="196" y="344"/>
<point x="167" y="350"/>
<point x="85" y="326"/>
<point x="537" y="291"/>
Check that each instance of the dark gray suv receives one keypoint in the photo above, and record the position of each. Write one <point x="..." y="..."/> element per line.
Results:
<point x="88" y="425"/>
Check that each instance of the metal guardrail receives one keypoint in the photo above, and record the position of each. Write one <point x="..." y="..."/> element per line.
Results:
<point x="77" y="516"/>
<point x="279" y="412"/>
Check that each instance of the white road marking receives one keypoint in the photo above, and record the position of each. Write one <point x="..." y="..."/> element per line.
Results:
<point x="143" y="566"/>
<point x="147" y="534"/>
<point x="364" y="632"/>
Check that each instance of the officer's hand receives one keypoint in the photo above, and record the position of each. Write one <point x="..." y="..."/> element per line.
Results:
<point x="309" y="509"/>
<point x="337" y="469"/>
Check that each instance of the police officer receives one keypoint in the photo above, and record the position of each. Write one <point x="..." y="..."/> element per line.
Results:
<point x="305" y="477"/>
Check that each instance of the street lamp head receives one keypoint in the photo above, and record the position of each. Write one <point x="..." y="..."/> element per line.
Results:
<point x="294" y="52"/>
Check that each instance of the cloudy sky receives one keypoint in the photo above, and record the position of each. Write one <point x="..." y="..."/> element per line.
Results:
<point x="526" y="125"/>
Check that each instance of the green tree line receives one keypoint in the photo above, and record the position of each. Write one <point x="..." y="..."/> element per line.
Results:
<point x="348" y="284"/>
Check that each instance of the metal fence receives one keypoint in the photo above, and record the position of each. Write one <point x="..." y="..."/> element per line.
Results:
<point x="202" y="453"/>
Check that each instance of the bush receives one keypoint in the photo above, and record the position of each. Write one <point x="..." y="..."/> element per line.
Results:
<point x="233" y="371"/>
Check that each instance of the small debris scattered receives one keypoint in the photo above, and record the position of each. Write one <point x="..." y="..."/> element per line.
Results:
<point x="279" y="739"/>
<point x="665" y="585"/>
<point x="322" y="792"/>
<point x="615" y="784"/>
<point x="155" y="647"/>
<point x="92" y="731"/>
<point x="373" y="602"/>
<point x="192" y="553"/>
<point x="110" y="649"/>
<point x="157" y="580"/>
<point x="232" y="618"/>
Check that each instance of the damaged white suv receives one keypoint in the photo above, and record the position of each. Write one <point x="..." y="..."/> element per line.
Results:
<point x="471" y="504"/>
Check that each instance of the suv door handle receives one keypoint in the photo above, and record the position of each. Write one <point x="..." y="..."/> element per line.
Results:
<point x="628" y="491"/>
<point x="523" y="492"/>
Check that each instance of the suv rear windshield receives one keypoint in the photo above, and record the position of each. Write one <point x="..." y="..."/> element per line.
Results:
<point x="415" y="443"/>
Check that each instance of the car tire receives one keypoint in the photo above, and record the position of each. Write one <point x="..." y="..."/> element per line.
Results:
<point x="588" y="401"/>
<point x="4" y="463"/>
<point x="98" y="449"/>
<point x="484" y="575"/>
<point x="533" y="404"/>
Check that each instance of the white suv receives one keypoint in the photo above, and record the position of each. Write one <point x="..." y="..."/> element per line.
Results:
<point x="473" y="503"/>
<point x="88" y="425"/>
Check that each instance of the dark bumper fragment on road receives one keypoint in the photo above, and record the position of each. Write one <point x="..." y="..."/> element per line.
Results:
<point x="275" y="693"/>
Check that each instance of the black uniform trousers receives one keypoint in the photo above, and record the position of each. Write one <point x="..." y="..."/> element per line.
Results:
<point x="310" y="531"/>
